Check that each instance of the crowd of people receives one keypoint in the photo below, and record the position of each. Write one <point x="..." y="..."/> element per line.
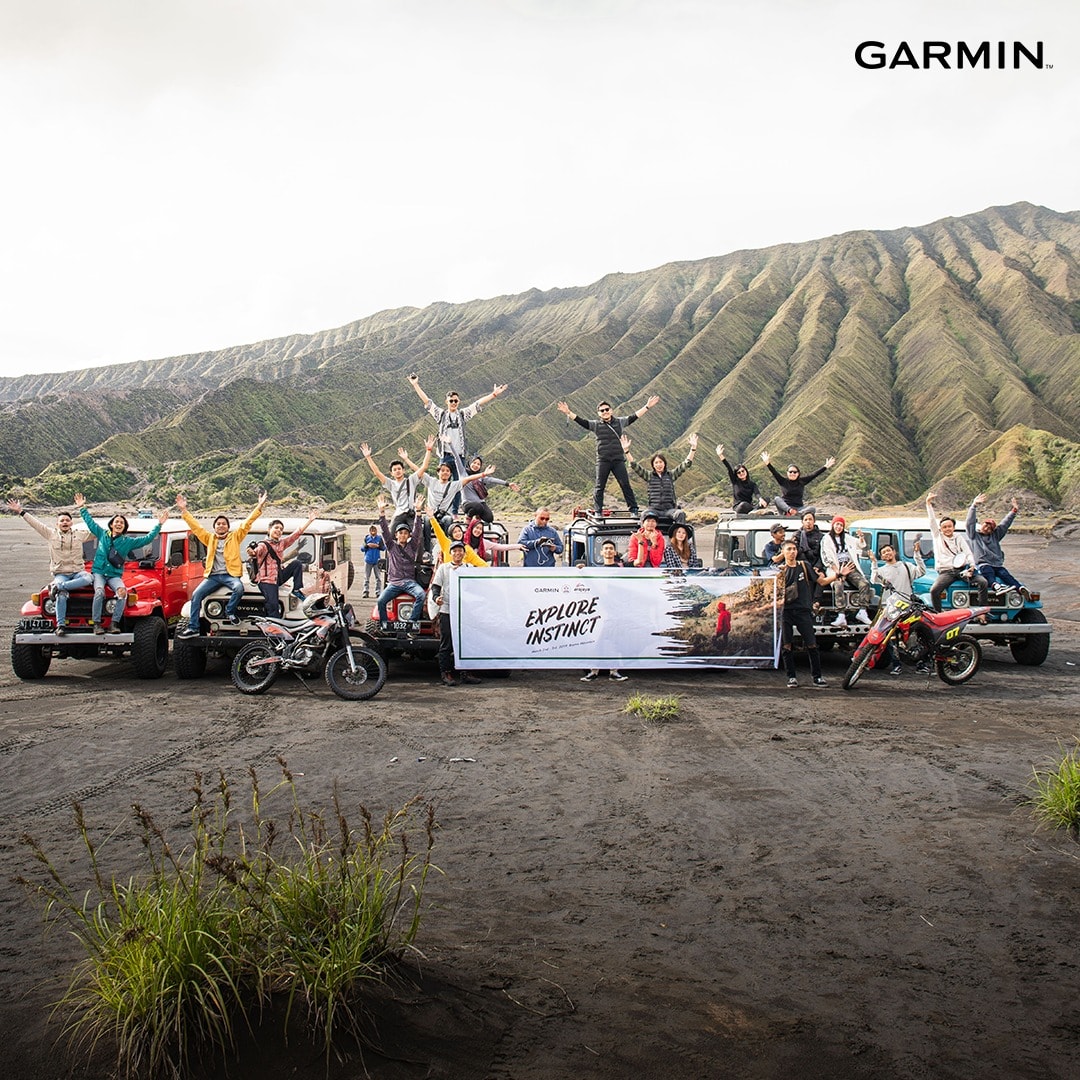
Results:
<point x="423" y="539"/>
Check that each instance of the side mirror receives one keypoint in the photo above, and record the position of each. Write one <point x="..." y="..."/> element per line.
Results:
<point x="327" y="564"/>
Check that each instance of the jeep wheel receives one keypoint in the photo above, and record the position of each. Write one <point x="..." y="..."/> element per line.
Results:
<point x="189" y="659"/>
<point x="29" y="661"/>
<point x="150" y="651"/>
<point x="1033" y="649"/>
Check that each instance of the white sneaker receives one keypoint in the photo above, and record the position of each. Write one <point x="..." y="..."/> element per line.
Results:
<point x="862" y="617"/>
<point x="840" y="620"/>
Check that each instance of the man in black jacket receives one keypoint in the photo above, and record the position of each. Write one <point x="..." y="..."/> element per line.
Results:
<point x="610" y="458"/>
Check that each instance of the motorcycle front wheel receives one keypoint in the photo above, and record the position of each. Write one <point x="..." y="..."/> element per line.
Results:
<point x="250" y="678"/>
<point x="961" y="661"/>
<point x="863" y="658"/>
<point x="368" y="678"/>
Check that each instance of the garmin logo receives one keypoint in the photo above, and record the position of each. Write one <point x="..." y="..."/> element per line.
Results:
<point x="946" y="54"/>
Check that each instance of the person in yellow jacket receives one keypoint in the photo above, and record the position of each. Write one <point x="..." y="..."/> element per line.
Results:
<point x="224" y="561"/>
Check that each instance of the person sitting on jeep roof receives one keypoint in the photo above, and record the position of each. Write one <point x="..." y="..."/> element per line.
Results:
<point x="661" y="480"/>
<point x="114" y="546"/>
<point x="474" y="501"/>
<point x="402" y="551"/>
<point x="793" y="486"/>
<point x="66" y="562"/>
<point x="223" y="564"/>
<point x="744" y="492"/>
<point x="401" y="486"/>
<point x="270" y="571"/>
<point x="985" y="539"/>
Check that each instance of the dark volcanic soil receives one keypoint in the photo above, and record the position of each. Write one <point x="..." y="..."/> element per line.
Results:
<point x="776" y="884"/>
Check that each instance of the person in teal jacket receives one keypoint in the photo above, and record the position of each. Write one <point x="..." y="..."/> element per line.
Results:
<point x="114" y="546"/>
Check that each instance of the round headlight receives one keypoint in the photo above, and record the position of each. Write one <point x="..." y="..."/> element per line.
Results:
<point x="1015" y="599"/>
<point x="215" y="609"/>
<point x="110" y="604"/>
<point x="50" y="606"/>
<point x="960" y="598"/>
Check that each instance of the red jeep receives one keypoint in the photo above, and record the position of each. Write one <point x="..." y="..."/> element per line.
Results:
<point x="160" y="577"/>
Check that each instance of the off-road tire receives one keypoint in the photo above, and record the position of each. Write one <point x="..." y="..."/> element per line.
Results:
<point x="863" y="658"/>
<point x="963" y="661"/>
<point x="1033" y="649"/>
<point x="150" y="649"/>
<point x="257" y="680"/>
<point x="189" y="659"/>
<point x="365" y="683"/>
<point x="29" y="661"/>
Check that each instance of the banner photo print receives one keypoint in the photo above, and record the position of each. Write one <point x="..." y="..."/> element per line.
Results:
<point x="597" y="617"/>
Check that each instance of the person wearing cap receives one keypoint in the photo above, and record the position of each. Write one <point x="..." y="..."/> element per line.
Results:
<point x="792" y="495"/>
<point x="540" y="542"/>
<point x="647" y="544"/>
<point x="661" y="480"/>
<point x="840" y="554"/>
<point x="402" y="551"/>
<point x="985" y="540"/>
<point x="774" y="548"/>
<point x="443" y="592"/>
<point x="610" y="458"/>
<point x="744" y="492"/>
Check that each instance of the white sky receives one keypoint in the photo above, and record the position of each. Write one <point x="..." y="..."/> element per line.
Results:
<point x="182" y="175"/>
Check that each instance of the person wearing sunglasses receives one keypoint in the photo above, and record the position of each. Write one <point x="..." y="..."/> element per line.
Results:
<point x="610" y="456"/>
<point x="792" y="497"/>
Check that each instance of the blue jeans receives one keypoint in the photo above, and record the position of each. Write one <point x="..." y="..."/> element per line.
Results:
<point x="413" y="588"/>
<point x="65" y="583"/>
<point x="998" y="573"/>
<point x="117" y="585"/>
<point x="215" y="581"/>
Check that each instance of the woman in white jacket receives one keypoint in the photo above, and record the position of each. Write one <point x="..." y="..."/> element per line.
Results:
<point x="840" y="553"/>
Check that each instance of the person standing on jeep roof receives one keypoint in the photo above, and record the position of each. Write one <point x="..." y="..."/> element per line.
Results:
<point x="114" y="546"/>
<point x="610" y="459"/>
<point x="793" y="486"/>
<point x="224" y="564"/>
<point x="451" y="421"/>
<point x="401" y="486"/>
<point x="402" y="551"/>
<point x="66" y="563"/>
<point x="744" y="492"/>
<point x="270" y="571"/>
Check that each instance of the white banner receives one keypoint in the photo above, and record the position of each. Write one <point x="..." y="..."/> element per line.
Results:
<point x="625" y="618"/>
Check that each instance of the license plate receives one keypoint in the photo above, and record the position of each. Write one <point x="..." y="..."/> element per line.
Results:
<point x="38" y="626"/>
<point x="406" y="625"/>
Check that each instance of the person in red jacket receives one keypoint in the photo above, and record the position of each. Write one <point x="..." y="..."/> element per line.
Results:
<point x="647" y="544"/>
<point x="723" y="624"/>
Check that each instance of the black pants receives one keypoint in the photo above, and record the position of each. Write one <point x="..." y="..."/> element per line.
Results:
<point x="446" y="646"/>
<point x="947" y="577"/>
<point x="479" y="510"/>
<point x="803" y="619"/>
<point x="604" y="469"/>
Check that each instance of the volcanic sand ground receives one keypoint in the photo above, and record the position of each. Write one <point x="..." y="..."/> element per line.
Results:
<point x="779" y="883"/>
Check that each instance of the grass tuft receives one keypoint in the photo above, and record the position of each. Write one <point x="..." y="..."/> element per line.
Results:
<point x="653" y="708"/>
<point x="250" y="910"/>
<point x="1057" y="792"/>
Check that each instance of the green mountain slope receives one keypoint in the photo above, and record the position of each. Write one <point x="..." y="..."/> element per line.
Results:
<point x="909" y="355"/>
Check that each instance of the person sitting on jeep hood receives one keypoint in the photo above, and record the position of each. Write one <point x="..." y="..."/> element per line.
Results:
<point x="114" y="546"/>
<point x="66" y="562"/>
<point x="224" y="562"/>
<point x="402" y="551"/>
<point x="985" y="540"/>
<point x="270" y="569"/>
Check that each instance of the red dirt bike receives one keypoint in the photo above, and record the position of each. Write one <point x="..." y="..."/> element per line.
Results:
<point x="919" y="634"/>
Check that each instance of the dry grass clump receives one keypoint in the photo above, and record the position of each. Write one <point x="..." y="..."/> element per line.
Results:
<point x="1057" y="792"/>
<point x="656" y="709"/>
